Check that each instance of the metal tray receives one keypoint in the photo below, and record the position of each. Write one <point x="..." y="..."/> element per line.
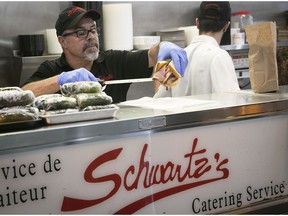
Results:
<point x="21" y="125"/>
<point x="81" y="116"/>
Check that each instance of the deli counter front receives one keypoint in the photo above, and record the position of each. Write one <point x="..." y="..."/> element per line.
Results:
<point x="207" y="154"/>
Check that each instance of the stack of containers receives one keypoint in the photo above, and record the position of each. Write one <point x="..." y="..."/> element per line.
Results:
<point x="239" y="21"/>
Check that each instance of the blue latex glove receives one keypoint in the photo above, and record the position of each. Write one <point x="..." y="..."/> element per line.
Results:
<point x="178" y="55"/>
<point x="77" y="75"/>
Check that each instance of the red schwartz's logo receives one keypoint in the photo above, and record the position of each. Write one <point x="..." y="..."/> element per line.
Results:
<point x="75" y="9"/>
<point x="168" y="172"/>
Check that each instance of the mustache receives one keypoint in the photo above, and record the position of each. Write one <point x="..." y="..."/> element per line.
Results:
<point x="90" y="44"/>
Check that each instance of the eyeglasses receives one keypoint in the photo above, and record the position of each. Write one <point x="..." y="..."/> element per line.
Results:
<point x="84" y="33"/>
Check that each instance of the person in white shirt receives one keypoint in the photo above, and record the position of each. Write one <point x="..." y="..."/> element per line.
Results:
<point x="210" y="69"/>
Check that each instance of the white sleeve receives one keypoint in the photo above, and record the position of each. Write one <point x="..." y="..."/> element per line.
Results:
<point x="223" y="75"/>
<point x="163" y="92"/>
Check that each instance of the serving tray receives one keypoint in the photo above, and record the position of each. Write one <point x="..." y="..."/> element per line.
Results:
<point x="81" y="115"/>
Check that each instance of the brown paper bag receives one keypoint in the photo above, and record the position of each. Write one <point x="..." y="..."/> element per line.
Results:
<point x="262" y="40"/>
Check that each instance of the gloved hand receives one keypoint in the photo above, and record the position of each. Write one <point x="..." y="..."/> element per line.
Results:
<point x="76" y="75"/>
<point x="177" y="54"/>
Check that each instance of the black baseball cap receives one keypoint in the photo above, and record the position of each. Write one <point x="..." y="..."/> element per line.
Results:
<point x="218" y="11"/>
<point x="70" y="17"/>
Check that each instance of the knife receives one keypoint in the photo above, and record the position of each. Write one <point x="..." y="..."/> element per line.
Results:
<point x="124" y="81"/>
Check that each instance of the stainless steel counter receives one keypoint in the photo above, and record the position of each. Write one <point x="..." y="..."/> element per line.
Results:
<point x="131" y="119"/>
<point x="208" y="145"/>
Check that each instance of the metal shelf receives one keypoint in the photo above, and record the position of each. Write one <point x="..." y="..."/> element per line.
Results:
<point x="246" y="46"/>
<point x="235" y="47"/>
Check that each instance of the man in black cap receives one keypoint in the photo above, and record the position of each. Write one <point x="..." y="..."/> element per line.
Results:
<point x="81" y="60"/>
<point x="210" y="69"/>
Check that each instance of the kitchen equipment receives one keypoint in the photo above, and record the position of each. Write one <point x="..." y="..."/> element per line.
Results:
<point x="30" y="64"/>
<point x="239" y="55"/>
<point x="175" y="36"/>
<point x="145" y="42"/>
<point x="190" y="32"/>
<point x="31" y="45"/>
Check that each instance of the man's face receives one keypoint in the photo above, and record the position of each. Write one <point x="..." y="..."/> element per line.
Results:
<point x="80" y="43"/>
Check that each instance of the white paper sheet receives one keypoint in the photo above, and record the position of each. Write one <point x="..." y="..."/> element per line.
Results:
<point x="170" y="104"/>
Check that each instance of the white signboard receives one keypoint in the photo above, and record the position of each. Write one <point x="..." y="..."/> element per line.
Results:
<point x="200" y="170"/>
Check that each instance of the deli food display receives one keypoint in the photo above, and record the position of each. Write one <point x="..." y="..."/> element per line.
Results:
<point x="18" y="113"/>
<point x="81" y="87"/>
<point x="78" y="101"/>
<point x="15" y="96"/>
<point x="86" y="93"/>
<point x="55" y="102"/>
<point x="16" y="110"/>
<point x="92" y="99"/>
<point x="15" y="105"/>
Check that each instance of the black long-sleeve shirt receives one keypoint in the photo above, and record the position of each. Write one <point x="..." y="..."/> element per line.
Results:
<point x="110" y="65"/>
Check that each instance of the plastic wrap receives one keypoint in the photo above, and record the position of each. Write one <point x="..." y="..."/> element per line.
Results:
<point x="55" y="102"/>
<point x="60" y="111"/>
<point x="99" y="107"/>
<point x="10" y="89"/>
<point x="12" y="96"/>
<point x="92" y="99"/>
<point x="81" y="87"/>
<point x="39" y="101"/>
<point x="18" y="113"/>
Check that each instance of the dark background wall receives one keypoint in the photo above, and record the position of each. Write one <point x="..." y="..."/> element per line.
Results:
<point x="148" y="16"/>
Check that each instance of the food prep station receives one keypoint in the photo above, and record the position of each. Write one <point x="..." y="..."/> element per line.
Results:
<point x="186" y="155"/>
<point x="207" y="154"/>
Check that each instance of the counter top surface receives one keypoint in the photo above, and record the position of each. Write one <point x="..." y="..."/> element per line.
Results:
<point x="133" y="117"/>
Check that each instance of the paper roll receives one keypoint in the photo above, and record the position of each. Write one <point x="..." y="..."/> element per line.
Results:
<point x="54" y="46"/>
<point x="118" y="26"/>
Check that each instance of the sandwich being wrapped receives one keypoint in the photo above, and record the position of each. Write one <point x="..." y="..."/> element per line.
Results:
<point x="166" y="73"/>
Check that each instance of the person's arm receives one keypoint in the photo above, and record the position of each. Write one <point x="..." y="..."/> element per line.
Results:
<point x="46" y="86"/>
<point x="153" y="55"/>
<point x="51" y="85"/>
